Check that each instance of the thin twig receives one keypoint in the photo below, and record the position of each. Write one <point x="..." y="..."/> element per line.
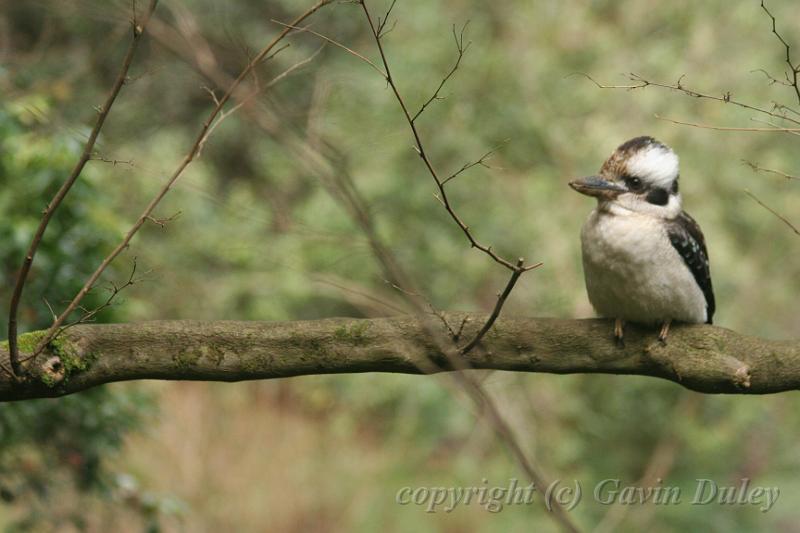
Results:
<point x="501" y="300"/>
<point x="467" y="166"/>
<point x="50" y="308"/>
<point x="772" y="79"/>
<point x="333" y="42"/>
<point x="459" y="39"/>
<point x="296" y="66"/>
<point x="724" y="128"/>
<point x="127" y="162"/>
<point x="726" y="98"/>
<point x="640" y="85"/>
<point x="783" y="107"/>
<point x="188" y="158"/>
<point x="363" y="293"/>
<point x="382" y="24"/>
<point x="415" y="298"/>
<point x="768" y="208"/>
<point x="775" y="126"/>
<point x="162" y="222"/>
<point x="757" y="168"/>
<point x="794" y="69"/>
<point x="138" y="27"/>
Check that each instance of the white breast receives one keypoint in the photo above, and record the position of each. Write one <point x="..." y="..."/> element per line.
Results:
<point x="632" y="271"/>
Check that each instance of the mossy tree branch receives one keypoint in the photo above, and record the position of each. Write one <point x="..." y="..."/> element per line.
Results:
<point x="702" y="358"/>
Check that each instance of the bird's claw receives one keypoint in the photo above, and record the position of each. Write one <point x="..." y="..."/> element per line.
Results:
<point x="662" y="335"/>
<point x="619" y="331"/>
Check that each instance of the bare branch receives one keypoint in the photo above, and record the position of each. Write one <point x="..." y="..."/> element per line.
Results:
<point x="794" y="70"/>
<point x="188" y="158"/>
<point x="420" y="149"/>
<point x="138" y="27"/>
<point x="418" y="145"/>
<point x="726" y="98"/>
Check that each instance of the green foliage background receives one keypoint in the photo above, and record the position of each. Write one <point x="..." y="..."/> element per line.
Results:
<point x="261" y="237"/>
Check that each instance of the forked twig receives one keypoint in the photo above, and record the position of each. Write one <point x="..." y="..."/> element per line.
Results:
<point x="459" y="39"/>
<point x="382" y="23"/>
<point x="481" y="161"/>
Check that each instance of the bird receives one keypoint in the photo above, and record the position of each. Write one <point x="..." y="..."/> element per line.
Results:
<point x="645" y="259"/>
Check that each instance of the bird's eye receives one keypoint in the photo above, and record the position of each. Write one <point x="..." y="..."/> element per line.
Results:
<point x="633" y="183"/>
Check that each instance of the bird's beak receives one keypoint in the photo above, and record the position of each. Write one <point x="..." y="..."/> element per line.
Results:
<point x="597" y="186"/>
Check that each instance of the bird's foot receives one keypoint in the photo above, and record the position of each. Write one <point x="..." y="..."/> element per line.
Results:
<point x="619" y="332"/>
<point x="662" y="335"/>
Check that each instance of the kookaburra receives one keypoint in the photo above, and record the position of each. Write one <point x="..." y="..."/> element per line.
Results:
<point x="644" y="258"/>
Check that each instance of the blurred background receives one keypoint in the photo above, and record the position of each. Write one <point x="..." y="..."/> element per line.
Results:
<point x="263" y="235"/>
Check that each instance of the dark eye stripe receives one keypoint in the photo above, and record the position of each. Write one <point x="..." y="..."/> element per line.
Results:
<point x="658" y="197"/>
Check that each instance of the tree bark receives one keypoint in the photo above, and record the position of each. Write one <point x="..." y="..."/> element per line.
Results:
<point x="702" y="358"/>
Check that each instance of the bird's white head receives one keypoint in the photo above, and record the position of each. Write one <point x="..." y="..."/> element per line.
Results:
<point x="640" y="176"/>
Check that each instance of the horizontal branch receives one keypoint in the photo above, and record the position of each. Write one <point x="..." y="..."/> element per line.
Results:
<point x="702" y="358"/>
